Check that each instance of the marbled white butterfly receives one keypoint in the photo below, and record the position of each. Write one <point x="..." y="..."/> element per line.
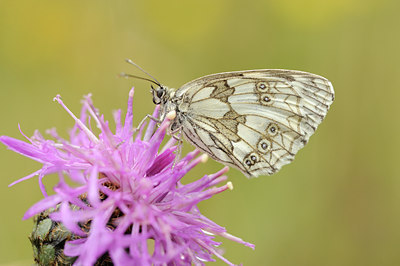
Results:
<point x="254" y="120"/>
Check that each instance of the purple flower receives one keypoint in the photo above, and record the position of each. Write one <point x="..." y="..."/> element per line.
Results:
<point x="128" y="201"/>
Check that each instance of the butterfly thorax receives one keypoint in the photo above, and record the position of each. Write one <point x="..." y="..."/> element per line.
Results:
<point x="166" y="98"/>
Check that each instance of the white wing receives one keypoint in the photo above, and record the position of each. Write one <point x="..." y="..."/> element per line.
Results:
<point x="254" y="120"/>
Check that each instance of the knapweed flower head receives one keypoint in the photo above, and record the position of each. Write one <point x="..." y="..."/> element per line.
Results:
<point x="127" y="202"/>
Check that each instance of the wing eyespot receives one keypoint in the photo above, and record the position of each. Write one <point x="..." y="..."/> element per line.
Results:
<point x="248" y="162"/>
<point x="262" y="86"/>
<point x="265" y="99"/>
<point x="263" y="146"/>
<point x="272" y="129"/>
<point x="251" y="159"/>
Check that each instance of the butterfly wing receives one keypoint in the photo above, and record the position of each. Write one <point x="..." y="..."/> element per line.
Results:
<point x="254" y="120"/>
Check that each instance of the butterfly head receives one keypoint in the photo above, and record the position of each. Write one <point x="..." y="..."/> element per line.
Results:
<point x="161" y="94"/>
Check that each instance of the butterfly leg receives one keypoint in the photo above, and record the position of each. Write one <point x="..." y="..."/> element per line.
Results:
<point x="177" y="135"/>
<point x="155" y="119"/>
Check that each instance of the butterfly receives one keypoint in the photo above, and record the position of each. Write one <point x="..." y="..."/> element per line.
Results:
<point x="254" y="120"/>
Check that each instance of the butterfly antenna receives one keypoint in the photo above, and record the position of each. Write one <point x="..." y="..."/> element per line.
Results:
<point x="144" y="71"/>
<point x="124" y="75"/>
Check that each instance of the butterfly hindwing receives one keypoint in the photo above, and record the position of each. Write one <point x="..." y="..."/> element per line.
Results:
<point x="254" y="120"/>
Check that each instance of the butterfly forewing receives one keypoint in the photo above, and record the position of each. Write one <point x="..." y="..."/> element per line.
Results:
<point x="254" y="120"/>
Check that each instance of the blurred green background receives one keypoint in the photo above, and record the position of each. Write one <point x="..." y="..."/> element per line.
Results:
<point x="336" y="204"/>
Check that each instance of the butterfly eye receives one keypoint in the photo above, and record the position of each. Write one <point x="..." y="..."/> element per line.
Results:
<point x="160" y="92"/>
